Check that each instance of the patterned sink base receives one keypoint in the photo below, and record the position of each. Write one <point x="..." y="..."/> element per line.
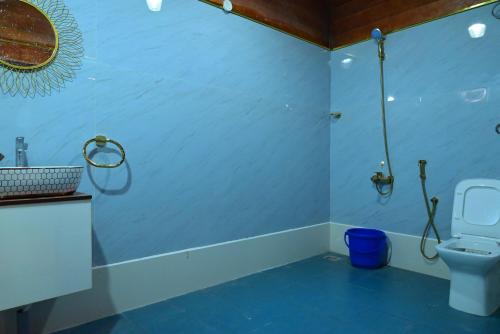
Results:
<point x="38" y="181"/>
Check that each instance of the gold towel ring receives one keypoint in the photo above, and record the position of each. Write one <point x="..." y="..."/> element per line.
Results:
<point x="100" y="141"/>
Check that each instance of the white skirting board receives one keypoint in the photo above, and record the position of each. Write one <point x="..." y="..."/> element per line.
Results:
<point x="405" y="251"/>
<point x="132" y="284"/>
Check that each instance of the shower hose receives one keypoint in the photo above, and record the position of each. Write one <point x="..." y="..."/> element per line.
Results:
<point x="379" y="187"/>
<point x="431" y="212"/>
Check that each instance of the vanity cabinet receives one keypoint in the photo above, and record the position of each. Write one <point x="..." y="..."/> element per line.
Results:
<point x="45" y="248"/>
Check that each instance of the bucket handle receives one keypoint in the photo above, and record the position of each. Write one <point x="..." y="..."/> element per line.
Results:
<point x="370" y="251"/>
<point x="345" y="239"/>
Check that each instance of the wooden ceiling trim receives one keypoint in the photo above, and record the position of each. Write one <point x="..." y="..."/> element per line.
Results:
<point x="305" y="19"/>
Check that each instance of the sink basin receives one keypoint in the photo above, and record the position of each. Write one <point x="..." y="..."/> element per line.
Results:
<point x="39" y="181"/>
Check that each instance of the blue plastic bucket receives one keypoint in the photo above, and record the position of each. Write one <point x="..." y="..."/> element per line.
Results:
<point x="368" y="248"/>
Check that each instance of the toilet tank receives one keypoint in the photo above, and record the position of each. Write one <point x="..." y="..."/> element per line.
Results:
<point x="476" y="208"/>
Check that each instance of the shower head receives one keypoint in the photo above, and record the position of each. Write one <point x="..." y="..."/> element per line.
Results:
<point x="377" y="35"/>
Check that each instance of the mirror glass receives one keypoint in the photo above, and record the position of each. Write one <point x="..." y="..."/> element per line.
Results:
<point x="28" y="39"/>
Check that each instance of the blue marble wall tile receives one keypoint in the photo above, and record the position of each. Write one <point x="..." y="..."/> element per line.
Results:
<point x="225" y="123"/>
<point x="446" y="90"/>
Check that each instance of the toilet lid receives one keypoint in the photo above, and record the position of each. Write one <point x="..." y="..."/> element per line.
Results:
<point x="476" y="209"/>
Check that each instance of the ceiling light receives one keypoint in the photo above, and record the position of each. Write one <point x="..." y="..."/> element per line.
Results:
<point x="227" y="5"/>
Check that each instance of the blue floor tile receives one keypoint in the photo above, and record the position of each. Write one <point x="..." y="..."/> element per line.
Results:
<point x="312" y="296"/>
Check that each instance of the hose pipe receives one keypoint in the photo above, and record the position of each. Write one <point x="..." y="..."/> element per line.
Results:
<point x="431" y="213"/>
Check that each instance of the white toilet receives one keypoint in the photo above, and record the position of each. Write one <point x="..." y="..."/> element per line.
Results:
<point x="473" y="252"/>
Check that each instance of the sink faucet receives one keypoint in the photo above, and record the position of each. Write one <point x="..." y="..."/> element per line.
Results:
<point x="21" y="147"/>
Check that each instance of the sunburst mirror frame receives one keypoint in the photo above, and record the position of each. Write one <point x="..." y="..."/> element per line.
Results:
<point x="62" y="67"/>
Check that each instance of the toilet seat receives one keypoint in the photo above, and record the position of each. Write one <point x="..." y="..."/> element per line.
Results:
<point x="476" y="219"/>
<point x="472" y="246"/>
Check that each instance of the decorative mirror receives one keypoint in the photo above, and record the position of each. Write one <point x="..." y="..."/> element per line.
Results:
<point x="40" y="46"/>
